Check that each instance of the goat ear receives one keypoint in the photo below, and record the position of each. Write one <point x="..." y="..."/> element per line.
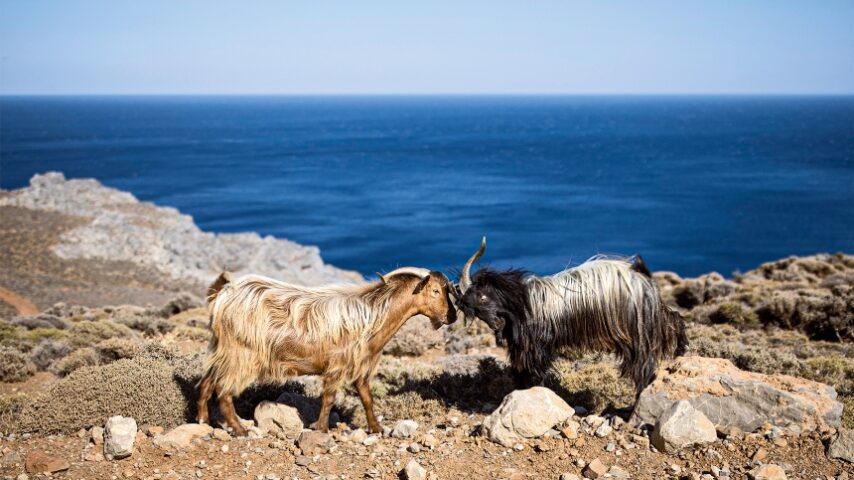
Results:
<point x="423" y="283"/>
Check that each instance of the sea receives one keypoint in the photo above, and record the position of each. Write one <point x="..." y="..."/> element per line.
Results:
<point x="692" y="183"/>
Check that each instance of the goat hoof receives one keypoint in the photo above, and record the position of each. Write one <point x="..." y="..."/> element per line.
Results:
<point x="320" y="427"/>
<point x="375" y="428"/>
<point x="239" y="431"/>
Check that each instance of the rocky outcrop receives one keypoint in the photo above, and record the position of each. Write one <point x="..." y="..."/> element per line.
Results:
<point x="730" y="397"/>
<point x="526" y="414"/>
<point x="118" y="227"/>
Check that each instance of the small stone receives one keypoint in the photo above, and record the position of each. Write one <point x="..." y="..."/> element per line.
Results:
<point x="153" y="431"/>
<point x="681" y="426"/>
<point x="414" y="471"/>
<point x="97" y="435"/>
<point x="580" y="411"/>
<point x="94" y="457"/>
<point x="569" y="476"/>
<point x="371" y="440"/>
<point x="312" y="443"/>
<point x="23" y="476"/>
<point x="224" y="448"/>
<point x="119" y="437"/>
<point x="610" y="447"/>
<point x="414" y="447"/>
<point x="617" y="472"/>
<point x="570" y="430"/>
<point x="128" y="473"/>
<point x="221" y="435"/>
<point x="760" y="455"/>
<point x="580" y="463"/>
<point x="404" y="429"/>
<point x="40" y="462"/>
<point x="182" y="436"/>
<point x="303" y="461"/>
<point x="640" y="441"/>
<point x="430" y="441"/>
<point x="768" y="471"/>
<point x="595" y="469"/>
<point x="842" y="445"/>
<point x="603" y="430"/>
<point x="518" y="447"/>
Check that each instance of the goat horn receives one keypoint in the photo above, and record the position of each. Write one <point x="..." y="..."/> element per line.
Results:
<point x="465" y="276"/>
<point x="419" y="272"/>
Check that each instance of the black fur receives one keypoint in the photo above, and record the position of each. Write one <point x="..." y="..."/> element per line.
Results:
<point x="503" y="301"/>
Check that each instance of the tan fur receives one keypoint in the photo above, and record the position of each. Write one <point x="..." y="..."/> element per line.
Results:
<point x="265" y="330"/>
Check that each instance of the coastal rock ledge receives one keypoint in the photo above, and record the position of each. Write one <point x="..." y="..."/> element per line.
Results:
<point x="734" y="398"/>
<point x="119" y="227"/>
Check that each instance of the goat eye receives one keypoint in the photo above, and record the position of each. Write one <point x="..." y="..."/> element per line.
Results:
<point x="436" y="291"/>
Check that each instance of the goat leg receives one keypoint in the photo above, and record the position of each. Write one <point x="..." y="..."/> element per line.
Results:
<point x="368" y="402"/>
<point x="226" y="407"/>
<point x="205" y="391"/>
<point x="322" y="423"/>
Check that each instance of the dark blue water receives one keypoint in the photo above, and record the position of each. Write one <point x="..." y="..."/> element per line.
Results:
<point x="692" y="183"/>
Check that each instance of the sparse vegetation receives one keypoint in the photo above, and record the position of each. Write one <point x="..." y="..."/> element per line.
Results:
<point x="15" y="366"/>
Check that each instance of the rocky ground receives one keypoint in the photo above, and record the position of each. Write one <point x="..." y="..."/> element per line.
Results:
<point x="102" y="317"/>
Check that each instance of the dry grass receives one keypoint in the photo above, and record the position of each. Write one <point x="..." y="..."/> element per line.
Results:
<point x="15" y="366"/>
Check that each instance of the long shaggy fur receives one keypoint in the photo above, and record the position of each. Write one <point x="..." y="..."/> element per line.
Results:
<point x="265" y="330"/>
<point x="605" y="304"/>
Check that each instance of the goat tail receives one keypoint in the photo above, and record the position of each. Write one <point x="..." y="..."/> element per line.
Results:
<point x="220" y="283"/>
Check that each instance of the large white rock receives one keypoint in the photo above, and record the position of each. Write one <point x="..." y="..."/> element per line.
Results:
<point x="526" y="414"/>
<point x="273" y="417"/>
<point x="119" y="436"/>
<point x="682" y="426"/>
<point x="182" y="436"/>
<point x="404" y="429"/>
<point x="414" y="471"/>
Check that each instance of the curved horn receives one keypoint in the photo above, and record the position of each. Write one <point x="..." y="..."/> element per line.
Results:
<point x="420" y="272"/>
<point x="465" y="276"/>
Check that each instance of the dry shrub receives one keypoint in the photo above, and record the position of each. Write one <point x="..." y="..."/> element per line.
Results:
<point x="49" y="351"/>
<point x="43" y="320"/>
<point x="193" y="333"/>
<point x="15" y="366"/>
<point x="113" y="349"/>
<point x="463" y="336"/>
<point x="151" y="390"/>
<point x="734" y="313"/>
<point x="147" y="324"/>
<point x="85" y="333"/>
<point x="415" y="337"/>
<point x="11" y="407"/>
<point x="596" y="387"/>
<point x="83" y="357"/>
<point x="194" y="317"/>
<point x="407" y="405"/>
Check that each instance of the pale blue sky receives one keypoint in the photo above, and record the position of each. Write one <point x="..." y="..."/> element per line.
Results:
<point x="403" y="47"/>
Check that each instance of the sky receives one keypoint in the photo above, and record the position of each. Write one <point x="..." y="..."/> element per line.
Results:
<point x="428" y="47"/>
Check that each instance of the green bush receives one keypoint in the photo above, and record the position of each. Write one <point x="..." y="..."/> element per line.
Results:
<point x="86" y="333"/>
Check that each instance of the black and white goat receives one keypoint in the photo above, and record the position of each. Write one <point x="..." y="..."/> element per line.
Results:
<point x="604" y="304"/>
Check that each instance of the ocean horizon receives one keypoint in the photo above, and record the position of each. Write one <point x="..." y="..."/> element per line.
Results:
<point x="694" y="183"/>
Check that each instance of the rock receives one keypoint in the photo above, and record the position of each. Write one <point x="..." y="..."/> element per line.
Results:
<point x="119" y="436"/>
<point x="842" y="445"/>
<point x="569" y="476"/>
<point x="404" y="429"/>
<point x="182" y="436"/>
<point x="221" y="435"/>
<point x="595" y="469"/>
<point x="371" y="440"/>
<point x="120" y="228"/>
<point x="277" y="417"/>
<point x="357" y="436"/>
<point x="570" y="430"/>
<point x="526" y="414"/>
<point x="768" y="471"/>
<point x="40" y="462"/>
<point x="414" y="471"/>
<point x="603" y="430"/>
<point x="153" y="430"/>
<point x="617" y="472"/>
<point x="682" y="426"/>
<point x="313" y="443"/>
<point x="730" y="397"/>
<point x="302" y="460"/>
<point x="98" y="435"/>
